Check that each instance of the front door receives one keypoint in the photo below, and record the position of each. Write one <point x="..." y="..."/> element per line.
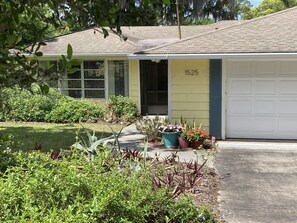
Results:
<point x="154" y="87"/>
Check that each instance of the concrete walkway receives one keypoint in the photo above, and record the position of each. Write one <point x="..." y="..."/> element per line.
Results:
<point x="259" y="181"/>
<point x="131" y="138"/>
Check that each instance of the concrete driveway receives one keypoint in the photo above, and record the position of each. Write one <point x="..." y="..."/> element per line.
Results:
<point x="259" y="181"/>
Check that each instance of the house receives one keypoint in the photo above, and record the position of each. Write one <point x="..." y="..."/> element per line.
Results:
<point x="237" y="78"/>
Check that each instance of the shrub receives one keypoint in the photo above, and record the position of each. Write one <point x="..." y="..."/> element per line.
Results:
<point x="7" y="142"/>
<point x="150" y="127"/>
<point x="39" y="189"/>
<point x="121" y="108"/>
<point x="23" y="105"/>
<point x="68" y="109"/>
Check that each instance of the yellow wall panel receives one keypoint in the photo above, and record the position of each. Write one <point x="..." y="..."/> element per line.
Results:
<point x="203" y="97"/>
<point x="134" y="81"/>
<point x="190" y="91"/>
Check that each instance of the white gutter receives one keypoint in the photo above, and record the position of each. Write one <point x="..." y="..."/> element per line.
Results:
<point x="211" y="56"/>
<point x="88" y="54"/>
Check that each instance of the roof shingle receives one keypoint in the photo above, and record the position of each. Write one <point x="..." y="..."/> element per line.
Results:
<point x="275" y="33"/>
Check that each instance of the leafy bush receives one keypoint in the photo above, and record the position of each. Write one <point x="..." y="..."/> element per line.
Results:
<point x="23" y="105"/>
<point x="150" y="127"/>
<point x="39" y="189"/>
<point x="68" y="109"/>
<point x="7" y="142"/>
<point x="121" y="108"/>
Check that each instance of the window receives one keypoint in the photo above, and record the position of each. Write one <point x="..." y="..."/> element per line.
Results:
<point x="92" y="80"/>
<point x="118" y="77"/>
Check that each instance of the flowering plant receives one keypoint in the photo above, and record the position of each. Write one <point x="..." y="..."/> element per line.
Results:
<point x="170" y="128"/>
<point x="196" y="135"/>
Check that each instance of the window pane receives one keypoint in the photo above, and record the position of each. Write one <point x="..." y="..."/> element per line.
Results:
<point x="71" y="84"/>
<point x="96" y="65"/>
<point x="73" y="93"/>
<point x="75" y="75"/>
<point x="94" y="84"/>
<point x="118" y="77"/>
<point x="94" y="94"/>
<point x="98" y="74"/>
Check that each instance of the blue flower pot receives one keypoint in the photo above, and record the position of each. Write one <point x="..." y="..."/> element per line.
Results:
<point x="170" y="139"/>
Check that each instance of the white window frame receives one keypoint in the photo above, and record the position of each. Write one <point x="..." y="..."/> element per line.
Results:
<point x="82" y="79"/>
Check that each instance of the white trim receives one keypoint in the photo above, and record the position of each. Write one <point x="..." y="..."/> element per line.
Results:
<point x="211" y="56"/>
<point x="106" y="75"/>
<point x="83" y="55"/>
<point x="82" y="79"/>
<point x="129" y="77"/>
<point x="139" y="86"/>
<point x="169" y="112"/>
<point x="224" y="98"/>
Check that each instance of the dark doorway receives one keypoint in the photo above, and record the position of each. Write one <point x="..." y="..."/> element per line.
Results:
<point x="154" y="87"/>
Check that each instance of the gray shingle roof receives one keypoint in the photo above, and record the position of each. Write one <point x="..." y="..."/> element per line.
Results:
<point x="139" y="38"/>
<point x="88" y="42"/>
<point x="275" y="33"/>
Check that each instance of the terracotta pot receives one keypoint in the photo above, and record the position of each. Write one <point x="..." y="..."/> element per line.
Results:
<point x="183" y="143"/>
<point x="196" y="144"/>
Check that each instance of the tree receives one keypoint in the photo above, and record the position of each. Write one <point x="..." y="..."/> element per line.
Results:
<point x="29" y="21"/>
<point x="269" y="6"/>
<point x="226" y="9"/>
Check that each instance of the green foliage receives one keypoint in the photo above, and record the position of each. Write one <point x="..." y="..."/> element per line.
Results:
<point x="23" y="105"/>
<point x="150" y="127"/>
<point x="7" y="142"/>
<point x="269" y="6"/>
<point x="93" y="146"/>
<point x="120" y="108"/>
<point x="39" y="189"/>
<point x="69" y="110"/>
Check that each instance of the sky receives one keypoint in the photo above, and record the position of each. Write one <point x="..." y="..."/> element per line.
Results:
<point x="255" y="2"/>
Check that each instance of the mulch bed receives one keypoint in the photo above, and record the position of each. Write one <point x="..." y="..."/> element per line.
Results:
<point x="207" y="193"/>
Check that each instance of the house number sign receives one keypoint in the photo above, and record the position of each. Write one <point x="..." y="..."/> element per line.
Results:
<point x="191" y="72"/>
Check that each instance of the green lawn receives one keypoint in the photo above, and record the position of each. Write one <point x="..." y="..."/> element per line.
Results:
<point x="51" y="136"/>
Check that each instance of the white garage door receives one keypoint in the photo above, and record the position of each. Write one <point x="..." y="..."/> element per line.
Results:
<point x="261" y="99"/>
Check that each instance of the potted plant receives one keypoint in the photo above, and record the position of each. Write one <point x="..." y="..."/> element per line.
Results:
<point x="170" y="134"/>
<point x="196" y="137"/>
<point x="183" y="141"/>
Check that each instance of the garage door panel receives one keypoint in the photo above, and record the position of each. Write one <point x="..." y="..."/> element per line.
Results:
<point x="240" y="87"/>
<point x="288" y="87"/>
<point x="240" y="68"/>
<point x="265" y="68"/>
<point x="288" y="68"/>
<point x="240" y="124"/>
<point x="264" y="107"/>
<point x="265" y="125"/>
<point x="287" y="125"/>
<point x="264" y="87"/>
<point x="261" y="99"/>
<point x="240" y="106"/>
<point x="287" y="107"/>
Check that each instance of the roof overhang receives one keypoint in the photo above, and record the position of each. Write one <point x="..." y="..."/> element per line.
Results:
<point x="90" y="55"/>
<point x="211" y="56"/>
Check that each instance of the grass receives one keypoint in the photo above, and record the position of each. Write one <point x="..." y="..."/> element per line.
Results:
<point x="51" y="136"/>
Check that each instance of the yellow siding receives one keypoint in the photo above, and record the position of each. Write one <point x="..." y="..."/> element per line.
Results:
<point x="134" y="81"/>
<point x="190" y="94"/>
